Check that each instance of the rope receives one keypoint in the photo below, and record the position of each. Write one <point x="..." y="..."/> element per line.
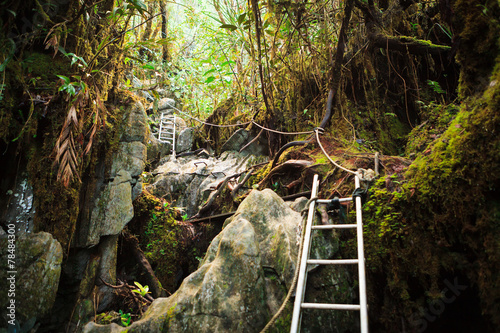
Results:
<point x="295" y="276"/>
<point x="317" y="130"/>
<point x="242" y="124"/>
<point x="208" y="124"/>
<point x="279" y="132"/>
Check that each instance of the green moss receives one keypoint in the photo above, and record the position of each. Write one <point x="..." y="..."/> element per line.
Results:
<point x="476" y="56"/>
<point x="160" y="237"/>
<point x="440" y="216"/>
<point x="435" y="120"/>
<point x="41" y="69"/>
<point x="379" y="128"/>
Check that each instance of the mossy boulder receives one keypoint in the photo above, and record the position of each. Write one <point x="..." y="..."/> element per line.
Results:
<point x="228" y="291"/>
<point x="37" y="264"/>
<point x="242" y="280"/>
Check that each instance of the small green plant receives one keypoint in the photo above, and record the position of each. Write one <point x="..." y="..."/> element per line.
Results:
<point x="70" y="86"/>
<point x="436" y="87"/>
<point x="275" y="186"/>
<point x="184" y="217"/>
<point x="125" y="318"/>
<point x="143" y="290"/>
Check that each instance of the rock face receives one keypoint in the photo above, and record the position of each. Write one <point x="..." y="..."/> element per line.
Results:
<point x="20" y="209"/>
<point x="190" y="180"/>
<point x="112" y="208"/>
<point x="239" y="139"/>
<point x="245" y="275"/>
<point x="165" y="104"/>
<point x="185" y="140"/>
<point x="38" y="260"/>
<point x="230" y="291"/>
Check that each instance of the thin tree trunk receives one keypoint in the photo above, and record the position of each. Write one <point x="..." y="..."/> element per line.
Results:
<point x="164" y="23"/>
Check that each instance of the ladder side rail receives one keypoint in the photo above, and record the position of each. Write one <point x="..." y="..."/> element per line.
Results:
<point x="160" y="129"/>
<point x="361" y="264"/>
<point x="302" y="279"/>
<point x="173" y="138"/>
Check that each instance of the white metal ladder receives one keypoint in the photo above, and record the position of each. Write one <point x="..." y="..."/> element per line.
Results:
<point x="302" y="278"/>
<point x="166" y="133"/>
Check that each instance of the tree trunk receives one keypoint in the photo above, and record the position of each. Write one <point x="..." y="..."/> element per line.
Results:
<point x="164" y="23"/>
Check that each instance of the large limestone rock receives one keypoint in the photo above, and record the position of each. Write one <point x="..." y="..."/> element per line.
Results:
<point x="113" y="209"/>
<point x="165" y="104"/>
<point x="189" y="180"/>
<point x="240" y="139"/>
<point x="118" y="185"/>
<point x="230" y="291"/>
<point x="245" y="275"/>
<point x="185" y="140"/>
<point x="130" y="156"/>
<point x="37" y="264"/>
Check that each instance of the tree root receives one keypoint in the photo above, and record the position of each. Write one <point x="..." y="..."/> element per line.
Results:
<point x="214" y="195"/>
<point x="291" y="164"/>
<point x="125" y="291"/>
<point x="151" y="279"/>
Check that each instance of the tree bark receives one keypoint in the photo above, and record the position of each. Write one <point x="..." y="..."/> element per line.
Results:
<point x="164" y="35"/>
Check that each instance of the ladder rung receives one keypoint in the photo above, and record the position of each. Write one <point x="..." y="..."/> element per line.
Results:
<point x="332" y="262"/>
<point x="327" y="201"/>
<point x="335" y="226"/>
<point x="326" y="306"/>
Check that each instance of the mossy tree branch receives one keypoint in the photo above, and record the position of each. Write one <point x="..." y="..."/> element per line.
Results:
<point x="407" y="44"/>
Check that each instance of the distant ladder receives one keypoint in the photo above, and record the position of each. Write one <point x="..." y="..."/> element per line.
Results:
<point x="166" y="132"/>
<point x="302" y="278"/>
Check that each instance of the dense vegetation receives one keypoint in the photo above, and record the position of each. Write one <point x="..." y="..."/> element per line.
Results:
<point x="417" y="81"/>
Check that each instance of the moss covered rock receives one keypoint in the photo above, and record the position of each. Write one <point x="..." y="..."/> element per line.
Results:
<point x="243" y="278"/>
<point x="37" y="263"/>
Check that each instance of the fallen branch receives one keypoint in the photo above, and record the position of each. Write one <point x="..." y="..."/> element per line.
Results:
<point x="285" y="147"/>
<point x="407" y="44"/>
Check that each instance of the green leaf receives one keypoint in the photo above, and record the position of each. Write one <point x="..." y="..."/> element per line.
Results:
<point x="229" y="27"/>
<point x="227" y="63"/>
<point x="163" y="41"/>
<point x="209" y="71"/>
<point x="101" y="44"/>
<point x="64" y="78"/>
<point x="209" y="79"/>
<point x="71" y="90"/>
<point x="241" y="18"/>
<point x="12" y="12"/>
<point x="148" y="66"/>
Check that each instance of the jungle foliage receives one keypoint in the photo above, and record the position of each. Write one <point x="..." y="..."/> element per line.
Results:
<point x="417" y="81"/>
